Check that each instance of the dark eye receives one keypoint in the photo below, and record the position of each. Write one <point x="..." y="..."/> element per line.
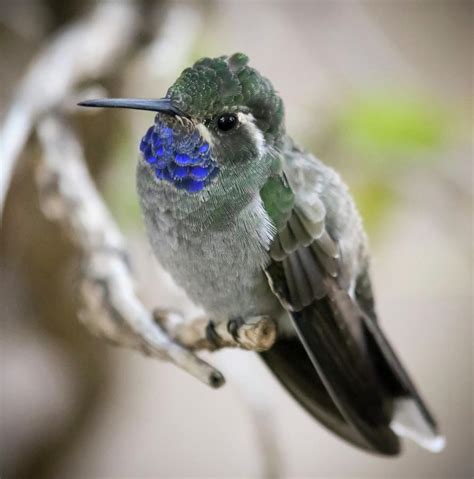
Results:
<point x="227" y="121"/>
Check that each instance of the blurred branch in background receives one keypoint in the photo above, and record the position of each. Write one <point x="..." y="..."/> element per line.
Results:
<point x="87" y="49"/>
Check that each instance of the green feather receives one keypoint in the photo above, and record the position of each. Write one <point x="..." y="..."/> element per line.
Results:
<point x="214" y="85"/>
<point x="278" y="200"/>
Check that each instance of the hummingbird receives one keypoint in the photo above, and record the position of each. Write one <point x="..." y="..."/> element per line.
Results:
<point x="251" y="224"/>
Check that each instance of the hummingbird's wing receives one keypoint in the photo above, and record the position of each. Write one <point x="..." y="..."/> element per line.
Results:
<point x="347" y="376"/>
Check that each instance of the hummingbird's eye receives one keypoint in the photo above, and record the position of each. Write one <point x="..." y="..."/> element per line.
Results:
<point x="227" y="121"/>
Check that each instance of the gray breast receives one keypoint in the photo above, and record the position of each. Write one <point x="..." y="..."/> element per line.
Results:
<point x="219" y="264"/>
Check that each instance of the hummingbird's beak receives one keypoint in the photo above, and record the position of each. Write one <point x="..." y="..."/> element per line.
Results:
<point x="163" y="105"/>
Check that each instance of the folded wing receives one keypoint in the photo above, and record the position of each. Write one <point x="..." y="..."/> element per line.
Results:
<point x="342" y="369"/>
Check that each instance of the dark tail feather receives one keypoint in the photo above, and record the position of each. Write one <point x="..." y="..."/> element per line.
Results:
<point x="289" y="361"/>
<point x="411" y="418"/>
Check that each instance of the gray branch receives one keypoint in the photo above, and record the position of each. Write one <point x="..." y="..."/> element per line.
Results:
<point x="87" y="49"/>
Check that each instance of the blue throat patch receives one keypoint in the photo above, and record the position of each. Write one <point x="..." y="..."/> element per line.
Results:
<point x="181" y="159"/>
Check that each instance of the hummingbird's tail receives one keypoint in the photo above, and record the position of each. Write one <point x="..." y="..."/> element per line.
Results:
<point x="370" y="401"/>
<point x="411" y="417"/>
<point x="290" y="363"/>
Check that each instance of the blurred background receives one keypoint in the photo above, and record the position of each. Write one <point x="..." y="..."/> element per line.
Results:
<point x="382" y="91"/>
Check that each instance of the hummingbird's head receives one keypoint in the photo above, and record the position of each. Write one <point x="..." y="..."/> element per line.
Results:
<point x="220" y="114"/>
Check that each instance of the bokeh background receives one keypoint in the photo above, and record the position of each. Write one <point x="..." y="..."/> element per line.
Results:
<point x="381" y="90"/>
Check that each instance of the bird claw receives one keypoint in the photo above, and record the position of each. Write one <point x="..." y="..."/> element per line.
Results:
<point x="257" y="333"/>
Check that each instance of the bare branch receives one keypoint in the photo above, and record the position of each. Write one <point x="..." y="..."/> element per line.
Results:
<point x="111" y="308"/>
<point x="86" y="50"/>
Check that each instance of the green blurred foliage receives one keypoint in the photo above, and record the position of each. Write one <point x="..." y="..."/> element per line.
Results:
<point x="384" y="126"/>
<point x="375" y="200"/>
<point x="377" y="137"/>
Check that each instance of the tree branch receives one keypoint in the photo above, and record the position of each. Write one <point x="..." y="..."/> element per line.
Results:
<point x="86" y="50"/>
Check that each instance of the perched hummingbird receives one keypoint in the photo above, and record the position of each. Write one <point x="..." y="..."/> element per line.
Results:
<point x="249" y="224"/>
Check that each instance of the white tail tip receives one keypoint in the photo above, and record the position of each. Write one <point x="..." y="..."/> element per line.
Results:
<point x="410" y="423"/>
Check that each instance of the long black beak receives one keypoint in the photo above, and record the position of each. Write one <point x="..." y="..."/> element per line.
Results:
<point x="162" y="105"/>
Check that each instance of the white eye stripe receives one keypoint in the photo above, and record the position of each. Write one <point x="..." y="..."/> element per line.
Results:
<point x="245" y="118"/>
<point x="248" y="120"/>
<point x="205" y="133"/>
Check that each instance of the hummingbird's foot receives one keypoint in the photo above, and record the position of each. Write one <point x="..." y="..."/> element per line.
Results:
<point x="257" y="333"/>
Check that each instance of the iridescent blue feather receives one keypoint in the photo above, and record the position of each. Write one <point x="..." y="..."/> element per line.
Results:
<point x="182" y="159"/>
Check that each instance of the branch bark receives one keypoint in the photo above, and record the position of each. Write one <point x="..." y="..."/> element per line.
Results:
<point x="86" y="50"/>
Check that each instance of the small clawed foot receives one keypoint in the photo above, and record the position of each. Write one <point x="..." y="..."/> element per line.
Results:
<point x="257" y="333"/>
